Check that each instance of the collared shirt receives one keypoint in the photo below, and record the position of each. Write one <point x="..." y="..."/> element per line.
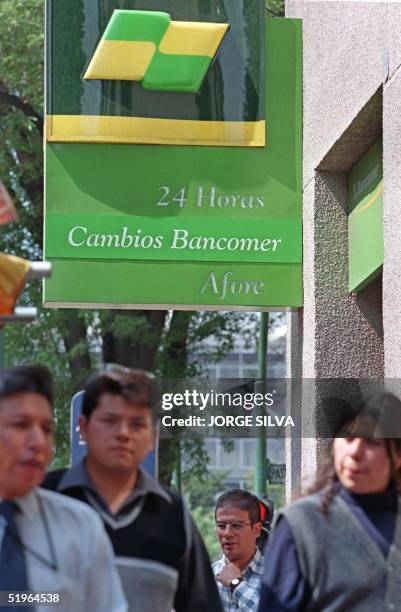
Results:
<point x="159" y="554"/>
<point x="245" y="597"/>
<point x="77" y="476"/>
<point x="67" y="552"/>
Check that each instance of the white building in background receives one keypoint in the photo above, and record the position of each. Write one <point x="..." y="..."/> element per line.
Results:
<point x="238" y="464"/>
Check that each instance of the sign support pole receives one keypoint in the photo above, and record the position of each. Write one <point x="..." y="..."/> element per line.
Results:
<point x="261" y="442"/>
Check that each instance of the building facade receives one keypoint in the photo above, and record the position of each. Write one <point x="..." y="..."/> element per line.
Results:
<point x="351" y="99"/>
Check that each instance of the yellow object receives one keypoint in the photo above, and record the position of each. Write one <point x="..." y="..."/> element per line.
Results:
<point x="191" y="38"/>
<point x="13" y="271"/>
<point x="121" y="60"/>
<point x="138" y="130"/>
<point x="372" y="199"/>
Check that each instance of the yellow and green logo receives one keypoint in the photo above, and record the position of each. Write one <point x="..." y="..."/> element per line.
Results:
<point x="162" y="54"/>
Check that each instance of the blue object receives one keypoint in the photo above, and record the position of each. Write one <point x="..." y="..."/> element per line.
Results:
<point x="78" y="445"/>
<point x="13" y="572"/>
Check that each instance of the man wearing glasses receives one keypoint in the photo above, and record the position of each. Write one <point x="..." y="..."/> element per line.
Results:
<point x="53" y="550"/>
<point x="239" y="571"/>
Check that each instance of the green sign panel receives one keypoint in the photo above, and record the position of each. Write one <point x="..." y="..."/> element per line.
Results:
<point x="156" y="71"/>
<point x="156" y="225"/>
<point x="149" y="47"/>
<point x="365" y="218"/>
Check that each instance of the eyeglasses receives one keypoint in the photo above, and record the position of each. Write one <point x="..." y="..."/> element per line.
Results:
<point x="236" y="526"/>
<point x="116" y="369"/>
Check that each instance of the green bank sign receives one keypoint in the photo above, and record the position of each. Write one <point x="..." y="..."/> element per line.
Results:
<point x="183" y="192"/>
<point x="365" y="218"/>
<point x="162" y="54"/>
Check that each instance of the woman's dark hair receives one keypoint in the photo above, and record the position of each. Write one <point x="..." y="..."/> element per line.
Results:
<point x="378" y="416"/>
<point x="26" y="379"/>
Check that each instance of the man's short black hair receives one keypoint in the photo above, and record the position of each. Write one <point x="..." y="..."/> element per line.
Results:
<point x="241" y="500"/>
<point x="26" y="379"/>
<point x="135" y="386"/>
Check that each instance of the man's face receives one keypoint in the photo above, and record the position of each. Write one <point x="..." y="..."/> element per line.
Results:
<point x="238" y="539"/>
<point x="119" y="433"/>
<point x="362" y="464"/>
<point x="26" y="440"/>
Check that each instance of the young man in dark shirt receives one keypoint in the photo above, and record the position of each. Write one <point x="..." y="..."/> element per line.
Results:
<point x="162" y="561"/>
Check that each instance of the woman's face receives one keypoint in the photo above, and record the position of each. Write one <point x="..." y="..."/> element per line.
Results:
<point x="362" y="464"/>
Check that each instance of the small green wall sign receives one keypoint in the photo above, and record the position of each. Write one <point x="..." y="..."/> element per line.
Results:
<point x="365" y="218"/>
<point x="156" y="225"/>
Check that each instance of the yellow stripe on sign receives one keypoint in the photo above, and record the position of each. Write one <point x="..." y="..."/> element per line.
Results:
<point x="371" y="200"/>
<point x="190" y="38"/>
<point x="139" y="130"/>
<point x="121" y="60"/>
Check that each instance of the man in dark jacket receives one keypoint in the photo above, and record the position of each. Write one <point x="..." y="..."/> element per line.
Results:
<point x="162" y="560"/>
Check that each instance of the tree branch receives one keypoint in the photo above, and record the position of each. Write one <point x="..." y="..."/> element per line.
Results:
<point x="138" y="351"/>
<point x="7" y="99"/>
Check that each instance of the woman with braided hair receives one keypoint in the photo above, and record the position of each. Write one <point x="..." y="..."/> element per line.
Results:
<point x="338" y="547"/>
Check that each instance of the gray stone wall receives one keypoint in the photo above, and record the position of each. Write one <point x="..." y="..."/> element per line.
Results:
<point x="392" y="223"/>
<point x="351" y="94"/>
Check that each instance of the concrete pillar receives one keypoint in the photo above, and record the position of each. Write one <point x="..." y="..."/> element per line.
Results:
<point x="392" y="225"/>
<point x="351" y="63"/>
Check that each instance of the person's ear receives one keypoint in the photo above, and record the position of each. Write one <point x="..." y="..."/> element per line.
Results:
<point x="395" y="455"/>
<point x="257" y="528"/>
<point x="397" y="460"/>
<point x="83" y="427"/>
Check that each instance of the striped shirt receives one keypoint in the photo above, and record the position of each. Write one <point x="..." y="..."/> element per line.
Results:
<point x="245" y="597"/>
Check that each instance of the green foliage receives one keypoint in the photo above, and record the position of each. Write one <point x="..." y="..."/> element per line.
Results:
<point x="127" y="327"/>
<point x="277" y="494"/>
<point x="201" y="494"/>
<point x="202" y="491"/>
<point x="276" y="6"/>
<point x="204" y="520"/>
<point x="21" y="120"/>
<point x="21" y="49"/>
<point x="21" y="169"/>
